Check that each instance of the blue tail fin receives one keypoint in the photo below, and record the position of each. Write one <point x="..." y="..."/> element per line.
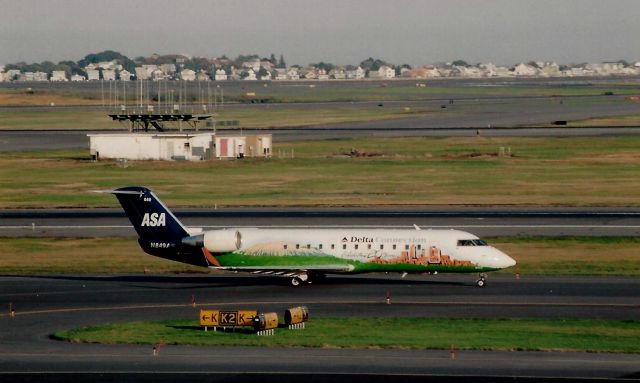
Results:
<point x="160" y="232"/>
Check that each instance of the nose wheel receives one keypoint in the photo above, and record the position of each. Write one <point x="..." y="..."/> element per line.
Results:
<point x="481" y="282"/>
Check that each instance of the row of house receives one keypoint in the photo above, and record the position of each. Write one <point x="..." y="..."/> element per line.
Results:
<point x="260" y="70"/>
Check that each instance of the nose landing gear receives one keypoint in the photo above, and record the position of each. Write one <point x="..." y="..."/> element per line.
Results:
<point x="481" y="282"/>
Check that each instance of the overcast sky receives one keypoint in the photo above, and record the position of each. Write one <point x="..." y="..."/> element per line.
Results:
<point x="341" y="32"/>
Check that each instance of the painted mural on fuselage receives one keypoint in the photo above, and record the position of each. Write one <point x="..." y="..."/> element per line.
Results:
<point x="359" y="251"/>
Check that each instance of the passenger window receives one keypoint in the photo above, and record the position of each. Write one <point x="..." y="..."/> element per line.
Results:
<point x="406" y="247"/>
<point x="355" y="247"/>
<point x="320" y="246"/>
<point x="381" y="247"/>
<point x="333" y="246"/>
<point x="369" y="246"/>
<point x="419" y="247"/>
<point x="285" y="247"/>
<point x="297" y="246"/>
<point x="394" y="247"/>
<point x="308" y="246"/>
<point x="344" y="247"/>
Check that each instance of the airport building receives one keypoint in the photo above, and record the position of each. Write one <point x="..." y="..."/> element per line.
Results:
<point x="178" y="146"/>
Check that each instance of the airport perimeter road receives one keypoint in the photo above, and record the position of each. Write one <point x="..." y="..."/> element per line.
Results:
<point x="480" y="221"/>
<point x="47" y="304"/>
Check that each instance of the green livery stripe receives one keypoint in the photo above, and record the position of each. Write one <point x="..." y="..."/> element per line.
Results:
<point x="317" y="261"/>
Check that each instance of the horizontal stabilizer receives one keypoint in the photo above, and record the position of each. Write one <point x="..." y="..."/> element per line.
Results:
<point x="130" y="192"/>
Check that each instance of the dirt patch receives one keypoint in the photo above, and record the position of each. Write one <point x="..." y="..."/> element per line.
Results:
<point x="474" y="155"/>
<point x="357" y="153"/>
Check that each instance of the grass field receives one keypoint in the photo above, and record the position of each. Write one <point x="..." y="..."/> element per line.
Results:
<point x="319" y="91"/>
<point x="281" y="116"/>
<point x="535" y="255"/>
<point x="600" y="171"/>
<point x="367" y="332"/>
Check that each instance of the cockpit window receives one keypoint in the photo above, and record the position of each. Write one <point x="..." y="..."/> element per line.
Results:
<point x="472" y="242"/>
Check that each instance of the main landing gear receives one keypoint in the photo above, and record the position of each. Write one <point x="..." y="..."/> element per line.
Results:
<point x="481" y="282"/>
<point x="299" y="279"/>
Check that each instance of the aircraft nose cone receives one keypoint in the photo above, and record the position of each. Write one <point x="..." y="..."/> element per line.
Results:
<point x="502" y="260"/>
<point x="509" y="261"/>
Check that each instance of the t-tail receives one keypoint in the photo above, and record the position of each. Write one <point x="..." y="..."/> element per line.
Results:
<point x="160" y="232"/>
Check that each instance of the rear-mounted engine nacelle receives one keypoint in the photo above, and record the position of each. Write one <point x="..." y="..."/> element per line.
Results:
<point x="220" y="241"/>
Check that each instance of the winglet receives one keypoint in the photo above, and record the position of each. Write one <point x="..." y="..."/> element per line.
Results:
<point x="417" y="227"/>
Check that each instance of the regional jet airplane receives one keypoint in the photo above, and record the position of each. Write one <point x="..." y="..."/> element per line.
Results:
<point x="304" y="255"/>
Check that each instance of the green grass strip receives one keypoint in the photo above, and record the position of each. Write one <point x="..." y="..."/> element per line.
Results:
<point x="365" y="332"/>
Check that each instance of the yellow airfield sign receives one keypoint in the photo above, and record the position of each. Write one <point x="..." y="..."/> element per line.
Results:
<point x="227" y="317"/>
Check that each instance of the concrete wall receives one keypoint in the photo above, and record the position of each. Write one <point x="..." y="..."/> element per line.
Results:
<point x="177" y="146"/>
<point x="141" y="146"/>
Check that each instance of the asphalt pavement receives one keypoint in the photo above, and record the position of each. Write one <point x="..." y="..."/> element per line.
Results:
<point x="480" y="221"/>
<point x="50" y="303"/>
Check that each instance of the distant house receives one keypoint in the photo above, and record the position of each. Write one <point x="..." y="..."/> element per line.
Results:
<point x="113" y="65"/>
<point x="125" y="75"/>
<point x="417" y="72"/>
<point x="202" y="76"/>
<point x="141" y="73"/>
<point x="386" y="72"/>
<point x="233" y="74"/>
<point x="550" y="70"/>
<point x="250" y="75"/>
<point x="338" y="74"/>
<point x="109" y="74"/>
<point x="470" y="72"/>
<point x="293" y="74"/>
<point x="322" y="75"/>
<point x="280" y="74"/>
<point x="356" y="74"/>
<point x="158" y="75"/>
<point x="525" y="70"/>
<point x="309" y="73"/>
<point x="93" y="74"/>
<point x="252" y="64"/>
<point x="77" y="78"/>
<point x="59" y="76"/>
<point x="145" y="72"/>
<point x="220" y="75"/>
<point x="188" y="75"/>
<point x="11" y="75"/>
<point x="33" y="76"/>
<point x="267" y="76"/>
<point x="168" y="68"/>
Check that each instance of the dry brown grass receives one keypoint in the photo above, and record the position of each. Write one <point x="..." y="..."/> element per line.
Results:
<point x="21" y="98"/>
<point x="81" y="255"/>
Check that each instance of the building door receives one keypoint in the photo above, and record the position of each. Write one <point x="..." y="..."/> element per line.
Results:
<point x="224" y="147"/>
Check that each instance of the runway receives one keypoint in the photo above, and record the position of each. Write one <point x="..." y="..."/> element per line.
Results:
<point x="480" y="221"/>
<point x="50" y="303"/>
